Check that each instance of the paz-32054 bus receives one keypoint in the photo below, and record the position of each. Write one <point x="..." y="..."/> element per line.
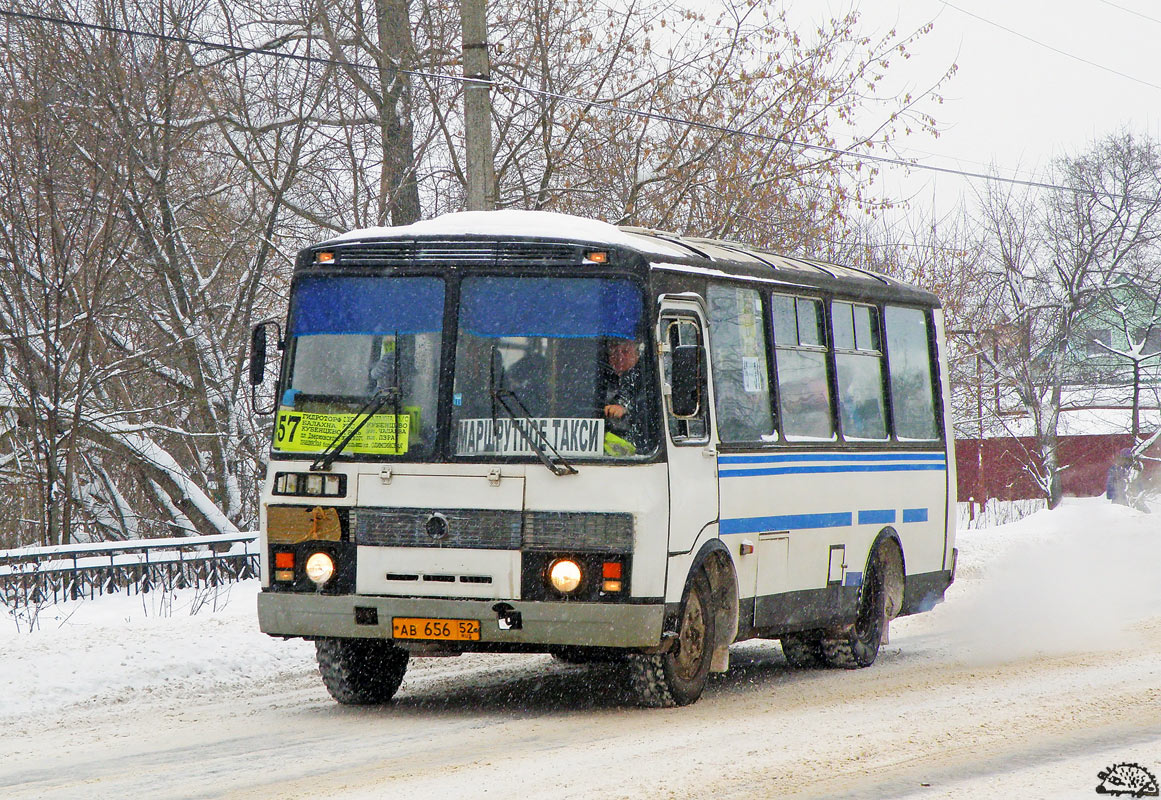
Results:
<point x="527" y="432"/>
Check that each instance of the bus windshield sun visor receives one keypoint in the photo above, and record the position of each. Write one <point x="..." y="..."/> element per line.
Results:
<point x="368" y="306"/>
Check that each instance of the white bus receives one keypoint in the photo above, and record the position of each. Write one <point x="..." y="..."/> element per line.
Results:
<point x="529" y="432"/>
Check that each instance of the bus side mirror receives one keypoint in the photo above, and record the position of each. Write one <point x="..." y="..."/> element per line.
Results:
<point x="686" y="380"/>
<point x="258" y="340"/>
<point x="257" y="354"/>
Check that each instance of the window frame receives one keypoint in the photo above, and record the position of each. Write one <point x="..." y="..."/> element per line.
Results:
<point x="766" y="340"/>
<point x="877" y="331"/>
<point x="822" y="301"/>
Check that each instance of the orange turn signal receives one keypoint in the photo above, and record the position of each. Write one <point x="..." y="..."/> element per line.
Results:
<point x="611" y="569"/>
<point x="284" y="560"/>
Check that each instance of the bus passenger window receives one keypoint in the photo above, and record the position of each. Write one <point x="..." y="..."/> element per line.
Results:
<point x="859" y="363"/>
<point x="738" y="344"/>
<point x="800" y="364"/>
<point x="909" y="364"/>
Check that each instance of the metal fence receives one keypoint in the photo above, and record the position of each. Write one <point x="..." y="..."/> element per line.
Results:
<point x="34" y="576"/>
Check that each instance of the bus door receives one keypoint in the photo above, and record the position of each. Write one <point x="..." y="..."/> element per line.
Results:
<point x="692" y="458"/>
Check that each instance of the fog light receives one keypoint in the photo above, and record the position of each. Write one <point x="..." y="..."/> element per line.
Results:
<point x="565" y="575"/>
<point x="611" y="586"/>
<point x="284" y="575"/>
<point x="320" y="568"/>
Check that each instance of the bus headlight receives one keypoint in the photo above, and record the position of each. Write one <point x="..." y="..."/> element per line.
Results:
<point x="320" y="568"/>
<point x="564" y="575"/>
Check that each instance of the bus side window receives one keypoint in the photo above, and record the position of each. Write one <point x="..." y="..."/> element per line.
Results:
<point x="909" y="365"/>
<point x="858" y="359"/>
<point x="800" y="363"/>
<point x="741" y="384"/>
<point x="692" y="430"/>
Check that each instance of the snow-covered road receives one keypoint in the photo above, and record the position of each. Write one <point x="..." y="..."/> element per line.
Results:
<point x="1041" y="670"/>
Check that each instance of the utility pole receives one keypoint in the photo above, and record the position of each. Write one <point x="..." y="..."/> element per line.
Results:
<point x="477" y="107"/>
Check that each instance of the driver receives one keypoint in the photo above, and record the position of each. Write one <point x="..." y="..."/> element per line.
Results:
<point x="623" y="397"/>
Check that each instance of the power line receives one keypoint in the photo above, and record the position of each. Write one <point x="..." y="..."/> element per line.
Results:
<point x="586" y="103"/>
<point x="1131" y="11"/>
<point x="229" y="48"/>
<point x="1064" y="53"/>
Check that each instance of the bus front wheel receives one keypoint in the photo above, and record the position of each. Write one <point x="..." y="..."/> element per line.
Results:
<point x="361" y="671"/>
<point x="678" y="677"/>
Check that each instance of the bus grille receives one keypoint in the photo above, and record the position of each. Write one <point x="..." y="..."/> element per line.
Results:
<point x="495" y="530"/>
<point x="404" y="253"/>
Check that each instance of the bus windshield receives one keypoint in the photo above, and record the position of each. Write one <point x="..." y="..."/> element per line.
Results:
<point x="560" y="357"/>
<point x="351" y="338"/>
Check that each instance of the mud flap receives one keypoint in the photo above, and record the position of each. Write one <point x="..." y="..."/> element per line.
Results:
<point x="721" y="659"/>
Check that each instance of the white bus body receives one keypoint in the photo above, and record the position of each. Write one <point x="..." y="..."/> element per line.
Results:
<point x="787" y="473"/>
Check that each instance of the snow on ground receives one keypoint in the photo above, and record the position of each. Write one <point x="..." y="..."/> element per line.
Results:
<point x="1079" y="576"/>
<point x="118" y="647"/>
<point x="1042" y="668"/>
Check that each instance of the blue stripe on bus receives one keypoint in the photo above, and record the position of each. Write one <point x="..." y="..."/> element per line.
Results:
<point x="781" y="457"/>
<point x="915" y="515"/>
<point x="877" y="517"/>
<point x="741" y="473"/>
<point x="785" y="522"/>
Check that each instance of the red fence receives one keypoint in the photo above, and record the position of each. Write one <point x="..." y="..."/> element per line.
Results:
<point x="995" y="468"/>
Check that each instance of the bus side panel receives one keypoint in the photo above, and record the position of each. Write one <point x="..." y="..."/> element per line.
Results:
<point x="811" y="519"/>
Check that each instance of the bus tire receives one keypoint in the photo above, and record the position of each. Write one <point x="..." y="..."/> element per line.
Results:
<point x="573" y="654"/>
<point x="803" y="650"/>
<point x="678" y="677"/>
<point x="361" y="671"/>
<point x="856" y="645"/>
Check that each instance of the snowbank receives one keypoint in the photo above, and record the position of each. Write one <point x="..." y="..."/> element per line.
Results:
<point x="116" y="646"/>
<point x="1074" y="579"/>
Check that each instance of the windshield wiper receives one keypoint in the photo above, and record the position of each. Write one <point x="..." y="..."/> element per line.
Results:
<point x="373" y="406"/>
<point x="558" y="465"/>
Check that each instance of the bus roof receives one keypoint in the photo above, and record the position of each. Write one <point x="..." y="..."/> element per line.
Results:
<point x="660" y="248"/>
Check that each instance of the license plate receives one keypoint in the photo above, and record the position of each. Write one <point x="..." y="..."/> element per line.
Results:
<point x="454" y="630"/>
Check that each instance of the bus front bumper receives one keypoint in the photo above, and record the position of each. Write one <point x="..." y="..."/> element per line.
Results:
<point x="536" y="623"/>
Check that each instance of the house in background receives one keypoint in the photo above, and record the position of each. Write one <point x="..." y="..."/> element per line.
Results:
<point x="1111" y="399"/>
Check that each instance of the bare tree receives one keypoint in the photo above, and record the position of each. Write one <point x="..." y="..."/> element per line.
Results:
<point x="733" y="103"/>
<point x="1051" y="259"/>
<point x="60" y="252"/>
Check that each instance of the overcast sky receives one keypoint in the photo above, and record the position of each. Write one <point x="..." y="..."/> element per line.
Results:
<point x="1013" y="101"/>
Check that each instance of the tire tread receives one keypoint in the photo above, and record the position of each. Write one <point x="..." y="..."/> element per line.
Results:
<point x="361" y="671"/>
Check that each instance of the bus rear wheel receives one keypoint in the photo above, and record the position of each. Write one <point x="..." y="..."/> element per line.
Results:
<point x="803" y="650"/>
<point x="361" y="671"/>
<point x="571" y="654"/>
<point x="857" y="645"/>
<point x="678" y="677"/>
